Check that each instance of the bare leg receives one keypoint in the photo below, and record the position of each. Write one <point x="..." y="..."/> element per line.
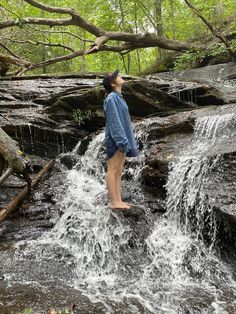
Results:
<point x="118" y="182"/>
<point x="115" y="166"/>
<point x="111" y="187"/>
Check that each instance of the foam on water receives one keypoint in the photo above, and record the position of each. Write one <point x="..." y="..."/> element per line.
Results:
<point x="171" y="270"/>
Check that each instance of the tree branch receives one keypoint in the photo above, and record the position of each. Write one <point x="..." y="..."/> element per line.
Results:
<point x="211" y="28"/>
<point x="8" y="50"/>
<point x="119" y="36"/>
<point x="14" y="60"/>
<point x="76" y="18"/>
<point x="62" y="32"/>
<point x="37" y="21"/>
<point x="39" y="42"/>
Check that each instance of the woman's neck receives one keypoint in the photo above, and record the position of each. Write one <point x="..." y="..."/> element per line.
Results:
<point x="117" y="89"/>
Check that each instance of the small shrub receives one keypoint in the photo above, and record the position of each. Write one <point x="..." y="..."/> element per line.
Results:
<point x="192" y="59"/>
<point x="27" y="311"/>
<point x="81" y="116"/>
<point x="188" y="60"/>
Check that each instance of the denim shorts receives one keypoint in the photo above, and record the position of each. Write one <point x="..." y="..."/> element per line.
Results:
<point x="111" y="148"/>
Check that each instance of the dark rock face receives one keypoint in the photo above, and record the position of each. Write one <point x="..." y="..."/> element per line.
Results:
<point x="221" y="78"/>
<point x="145" y="97"/>
<point x="39" y="113"/>
<point x="224" y="193"/>
<point x="162" y="135"/>
<point x="24" y="117"/>
<point x="219" y="72"/>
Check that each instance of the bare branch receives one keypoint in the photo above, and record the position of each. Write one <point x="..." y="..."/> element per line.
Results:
<point x="76" y="18"/>
<point x="96" y="45"/>
<point x="37" y="21"/>
<point x="211" y="28"/>
<point x="8" y="50"/>
<point x="14" y="60"/>
<point x="62" y="32"/>
<point x="51" y="9"/>
<point x="39" y="42"/>
<point x="205" y="21"/>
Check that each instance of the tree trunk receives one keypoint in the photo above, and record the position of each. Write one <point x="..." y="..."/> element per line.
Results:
<point x="11" y="157"/>
<point x="159" y="23"/>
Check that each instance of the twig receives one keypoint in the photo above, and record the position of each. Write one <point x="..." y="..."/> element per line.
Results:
<point x="22" y="195"/>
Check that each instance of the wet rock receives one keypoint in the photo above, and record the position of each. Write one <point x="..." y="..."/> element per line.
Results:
<point x="144" y="97"/>
<point x="163" y="145"/>
<point x="222" y="193"/>
<point x="161" y="139"/>
<point x="166" y="136"/>
<point x="219" y="72"/>
<point x="229" y="211"/>
<point x="69" y="160"/>
<point x="37" y="162"/>
<point x="133" y="211"/>
<point x="41" y="115"/>
<point x="156" y="206"/>
<point x="5" y="226"/>
<point x="220" y="82"/>
<point x="29" y="124"/>
<point x="211" y="97"/>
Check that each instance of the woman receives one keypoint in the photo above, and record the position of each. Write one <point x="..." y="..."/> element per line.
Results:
<point x="119" y="137"/>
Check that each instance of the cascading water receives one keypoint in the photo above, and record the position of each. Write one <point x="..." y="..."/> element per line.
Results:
<point x="140" y="265"/>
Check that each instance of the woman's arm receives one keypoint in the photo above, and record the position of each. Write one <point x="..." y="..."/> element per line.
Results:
<point x="115" y="125"/>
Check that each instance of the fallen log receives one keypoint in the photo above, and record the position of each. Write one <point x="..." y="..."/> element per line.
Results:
<point x="6" y="174"/>
<point x="4" y="212"/>
<point x="2" y="164"/>
<point x="12" y="159"/>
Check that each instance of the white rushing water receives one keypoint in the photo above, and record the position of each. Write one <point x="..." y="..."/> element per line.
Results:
<point x="163" y="267"/>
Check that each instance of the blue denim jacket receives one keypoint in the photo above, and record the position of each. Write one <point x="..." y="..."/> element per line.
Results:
<point x="119" y="132"/>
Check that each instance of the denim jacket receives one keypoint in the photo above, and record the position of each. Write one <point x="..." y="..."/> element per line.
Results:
<point x="119" y="132"/>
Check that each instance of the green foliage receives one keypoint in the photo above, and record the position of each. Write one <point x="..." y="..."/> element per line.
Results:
<point x="216" y="50"/>
<point x="188" y="60"/>
<point x="81" y="116"/>
<point x="192" y="59"/>
<point x="27" y="311"/>
<point x="138" y="16"/>
<point x="233" y="45"/>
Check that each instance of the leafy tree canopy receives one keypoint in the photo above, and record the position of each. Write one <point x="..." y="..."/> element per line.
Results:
<point x="100" y="35"/>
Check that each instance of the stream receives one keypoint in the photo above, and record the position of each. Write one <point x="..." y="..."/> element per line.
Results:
<point x="104" y="262"/>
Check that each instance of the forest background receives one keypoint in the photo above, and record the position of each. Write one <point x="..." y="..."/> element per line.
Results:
<point x="137" y="36"/>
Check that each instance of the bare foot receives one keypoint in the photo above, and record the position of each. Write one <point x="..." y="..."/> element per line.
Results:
<point x="120" y="205"/>
<point x="128" y="204"/>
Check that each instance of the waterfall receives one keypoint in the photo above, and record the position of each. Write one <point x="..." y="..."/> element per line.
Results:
<point x="187" y="199"/>
<point x="152" y="264"/>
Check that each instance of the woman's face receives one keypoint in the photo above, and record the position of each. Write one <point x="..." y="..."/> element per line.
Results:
<point x="119" y="81"/>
